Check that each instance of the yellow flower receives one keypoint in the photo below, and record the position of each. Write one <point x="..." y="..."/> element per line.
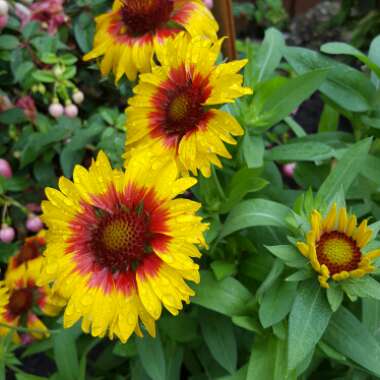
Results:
<point x="128" y="36"/>
<point x="119" y="246"/>
<point x="173" y="111"/>
<point x="25" y="258"/>
<point x="334" y="246"/>
<point x="20" y="295"/>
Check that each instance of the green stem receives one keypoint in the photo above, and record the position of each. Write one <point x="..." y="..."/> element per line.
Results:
<point x="217" y="184"/>
<point x="26" y="330"/>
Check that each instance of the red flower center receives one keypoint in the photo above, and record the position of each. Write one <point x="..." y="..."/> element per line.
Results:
<point x="143" y="16"/>
<point x="29" y="251"/>
<point x="179" y="104"/>
<point x="338" y="252"/>
<point x="121" y="240"/>
<point x="20" y="301"/>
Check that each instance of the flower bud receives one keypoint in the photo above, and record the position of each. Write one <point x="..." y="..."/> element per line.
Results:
<point x="4" y="8"/>
<point x="71" y="110"/>
<point x="34" y="223"/>
<point x="78" y="97"/>
<point x="209" y="3"/>
<point x="3" y="21"/>
<point x="7" y="234"/>
<point x="56" y="110"/>
<point x="58" y="71"/>
<point x="288" y="169"/>
<point x="5" y="169"/>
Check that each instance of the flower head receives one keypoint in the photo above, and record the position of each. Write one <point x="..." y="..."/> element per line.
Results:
<point x="172" y="111"/>
<point x="50" y="13"/>
<point x="128" y="36"/>
<point x="26" y="103"/>
<point x="335" y="244"/>
<point x="119" y="245"/>
<point x="20" y="295"/>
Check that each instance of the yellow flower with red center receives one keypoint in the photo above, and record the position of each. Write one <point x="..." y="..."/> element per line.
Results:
<point x="173" y="112"/>
<point x="20" y="295"/>
<point x="128" y="36"/>
<point x="120" y="245"/>
<point x="25" y="258"/>
<point x="335" y="244"/>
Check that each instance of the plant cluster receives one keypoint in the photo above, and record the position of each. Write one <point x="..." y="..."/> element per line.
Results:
<point x="200" y="234"/>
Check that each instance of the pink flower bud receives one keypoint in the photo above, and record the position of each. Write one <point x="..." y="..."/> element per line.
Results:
<point x="78" y="97"/>
<point x="7" y="234"/>
<point x="3" y="21"/>
<point x="209" y="3"/>
<point x="288" y="169"/>
<point x="4" y="8"/>
<point x="56" y="110"/>
<point x="71" y="110"/>
<point x="5" y="169"/>
<point x="34" y="223"/>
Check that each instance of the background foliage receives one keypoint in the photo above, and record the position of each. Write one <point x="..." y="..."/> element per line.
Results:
<point x="259" y="312"/>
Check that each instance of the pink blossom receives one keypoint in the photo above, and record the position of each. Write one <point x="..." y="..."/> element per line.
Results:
<point x="7" y="234"/>
<point x="5" y="169"/>
<point x="28" y="106"/>
<point x="56" y="110"/>
<point x="288" y="169"/>
<point x="209" y="3"/>
<point x="71" y="110"/>
<point x="34" y="223"/>
<point x="5" y="103"/>
<point x="50" y="13"/>
<point x="3" y="21"/>
<point x="23" y="13"/>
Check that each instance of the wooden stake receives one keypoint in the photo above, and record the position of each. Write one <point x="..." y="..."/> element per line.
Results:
<point x="224" y="16"/>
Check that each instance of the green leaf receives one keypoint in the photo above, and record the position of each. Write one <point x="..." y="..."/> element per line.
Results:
<point x="307" y="151"/>
<point x="347" y="169"/>
<point x="65" y="354"/>
<point x="255" y="212"/>
<point x="346" y="49"/>
<point x="253" y="151"/>
<point x="44" y="76"/>
<point x="371" y="316"/>
<point x="23" y="70"/>
<point x="351" y="338"/>
<point x="248" y="323"/>
<point x="68" y="59"/>
<point x="288" y="254"/>
<point x="374" y="55"/>
<point x="223" y="269"/>
<point x="228" y="297"/>
<point x="276" y="303"/>
<point x="219" y="337"/>
<point x="269" y="55"/>
<point x="152" y="357"/>
<point x="329" y="119"/>
<point x="84" y="28"/>
<point x="8" y="42"/>
<point x="69" y="73"/>
<point x="12" y="116"/>
<point x="243" y="182"/>
<point x="335" y="297"/>
<point x="268" y="359"/>
<point x="347" y="87"/>
<point x="273" y="104"/>
<point x="308" y="320"/>
<point x="38" y="142"/>
<point x="49" y="58"/>
<point x="366" y="287"/>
